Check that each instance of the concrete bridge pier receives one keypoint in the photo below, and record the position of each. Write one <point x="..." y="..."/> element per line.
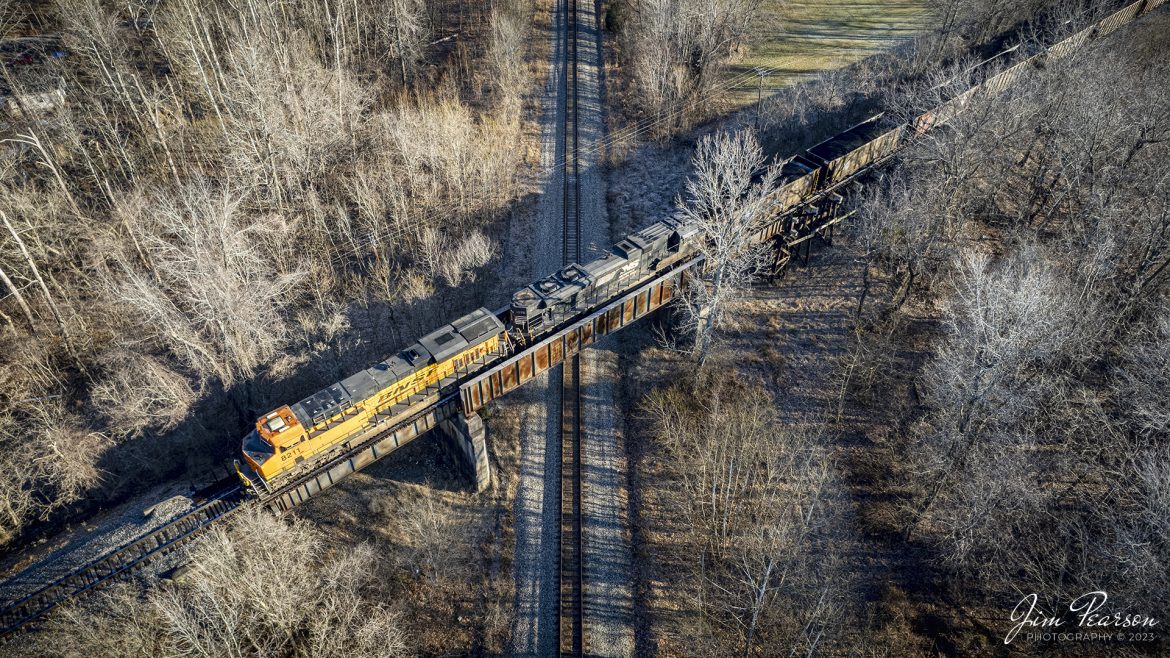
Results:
<point x="466" y="438"/>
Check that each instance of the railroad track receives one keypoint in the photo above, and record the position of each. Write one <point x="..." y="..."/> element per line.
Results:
<point x="571" y="626"/>
<point x="572" y="162"/>
<point x="154" y="544"/>
<point x="136" y="553"/>
<point x="570" y="623"/>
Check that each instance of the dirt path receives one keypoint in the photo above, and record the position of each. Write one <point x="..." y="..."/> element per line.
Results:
<point x="608" y="590"/>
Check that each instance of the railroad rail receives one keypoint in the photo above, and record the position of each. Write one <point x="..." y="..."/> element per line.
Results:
<point x="570" y="554"/>
<point x="571" y="174"/>
<point x="571" y="608"/>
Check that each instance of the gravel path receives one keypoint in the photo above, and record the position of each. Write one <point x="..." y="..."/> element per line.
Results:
<point x="609" y="618"/>
<point x="67" y="551"/>
<point x="608" y="597"/>
<point x="534" y="630"/>
<point x="608" y="556"/>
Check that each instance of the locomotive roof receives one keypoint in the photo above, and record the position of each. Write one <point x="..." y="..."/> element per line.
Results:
<point x="629" y="247"/>
<point x="654" y="232"/>
<point x="604" y="264"/>
<point x="478" y="326"/>
<point x="322" y="404"/>
<point x="848" y="141"/>
<point x="443" y="343"/>
<point x="439" y="345"/>
<point x="471" y="329"/>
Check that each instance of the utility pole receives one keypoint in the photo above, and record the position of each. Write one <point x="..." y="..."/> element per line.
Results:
<point x="761" y="73"/>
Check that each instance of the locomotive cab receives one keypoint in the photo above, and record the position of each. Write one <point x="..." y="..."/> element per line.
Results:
<point x="256" y="453"/>
<point x="683" y="234"/>
<point x="550" y="300"/>
<point x="281" y="429"/>
<point x="275" y="433"/>
<point x="526" y="312"/>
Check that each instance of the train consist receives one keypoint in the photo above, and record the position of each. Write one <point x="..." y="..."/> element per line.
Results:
<point x="347" y="412"/>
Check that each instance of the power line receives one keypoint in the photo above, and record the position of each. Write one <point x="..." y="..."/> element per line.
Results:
<point x="632" y="132"/>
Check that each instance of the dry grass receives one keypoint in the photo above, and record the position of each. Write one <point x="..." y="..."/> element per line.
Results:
<point x="445" y="553"/>
<point x="792" y="338"/>
<point x="797" y="39"/>
<point x="667" y="619"/>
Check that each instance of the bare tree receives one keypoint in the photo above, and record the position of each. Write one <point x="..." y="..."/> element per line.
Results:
<point x="675" y="50"/>
<point x="905" y="235"/>
<point x="40" y="280"/>
<point x="772" y="550"/>
<point x="217" y="290"/>
<point x="434" y="547"/>
<point x="315" y="603"/>
<point x="754" y="498"/>
<point x="1034" y="228"/>
<point x="507" y="53"/>
<point x="1008" y="327"/>
<point x="1145" y="548"/>
<point x="16" y="294"/>
<point x="1144" y="380"/>
<point x="138" y="392"/>
<point x="48" y="468"/>
<point x="410" y="35"/>
<point x="727" y="204"/>
<point x="222" y="178"/>
<point x="473" y="251"/>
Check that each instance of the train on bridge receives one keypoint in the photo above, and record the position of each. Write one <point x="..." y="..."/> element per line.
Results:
<point x="297" y="437"/>
<point x="294" y="437"/>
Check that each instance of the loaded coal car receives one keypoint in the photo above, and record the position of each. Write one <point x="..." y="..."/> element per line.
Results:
<point x="565" y="294"/>
<point x="798" y="179"/>
<point x="851" y="151"/>
<point x="797" y="182"/>
<point x="343" y="412"/>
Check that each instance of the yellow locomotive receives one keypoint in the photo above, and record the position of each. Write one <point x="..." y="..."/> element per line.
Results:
<point x="348" y="410"/>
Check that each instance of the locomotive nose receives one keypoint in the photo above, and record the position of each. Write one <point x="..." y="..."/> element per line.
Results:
<point x="256" y="450"/>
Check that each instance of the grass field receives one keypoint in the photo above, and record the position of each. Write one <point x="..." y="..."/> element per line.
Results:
<point x="799" y="38"/>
